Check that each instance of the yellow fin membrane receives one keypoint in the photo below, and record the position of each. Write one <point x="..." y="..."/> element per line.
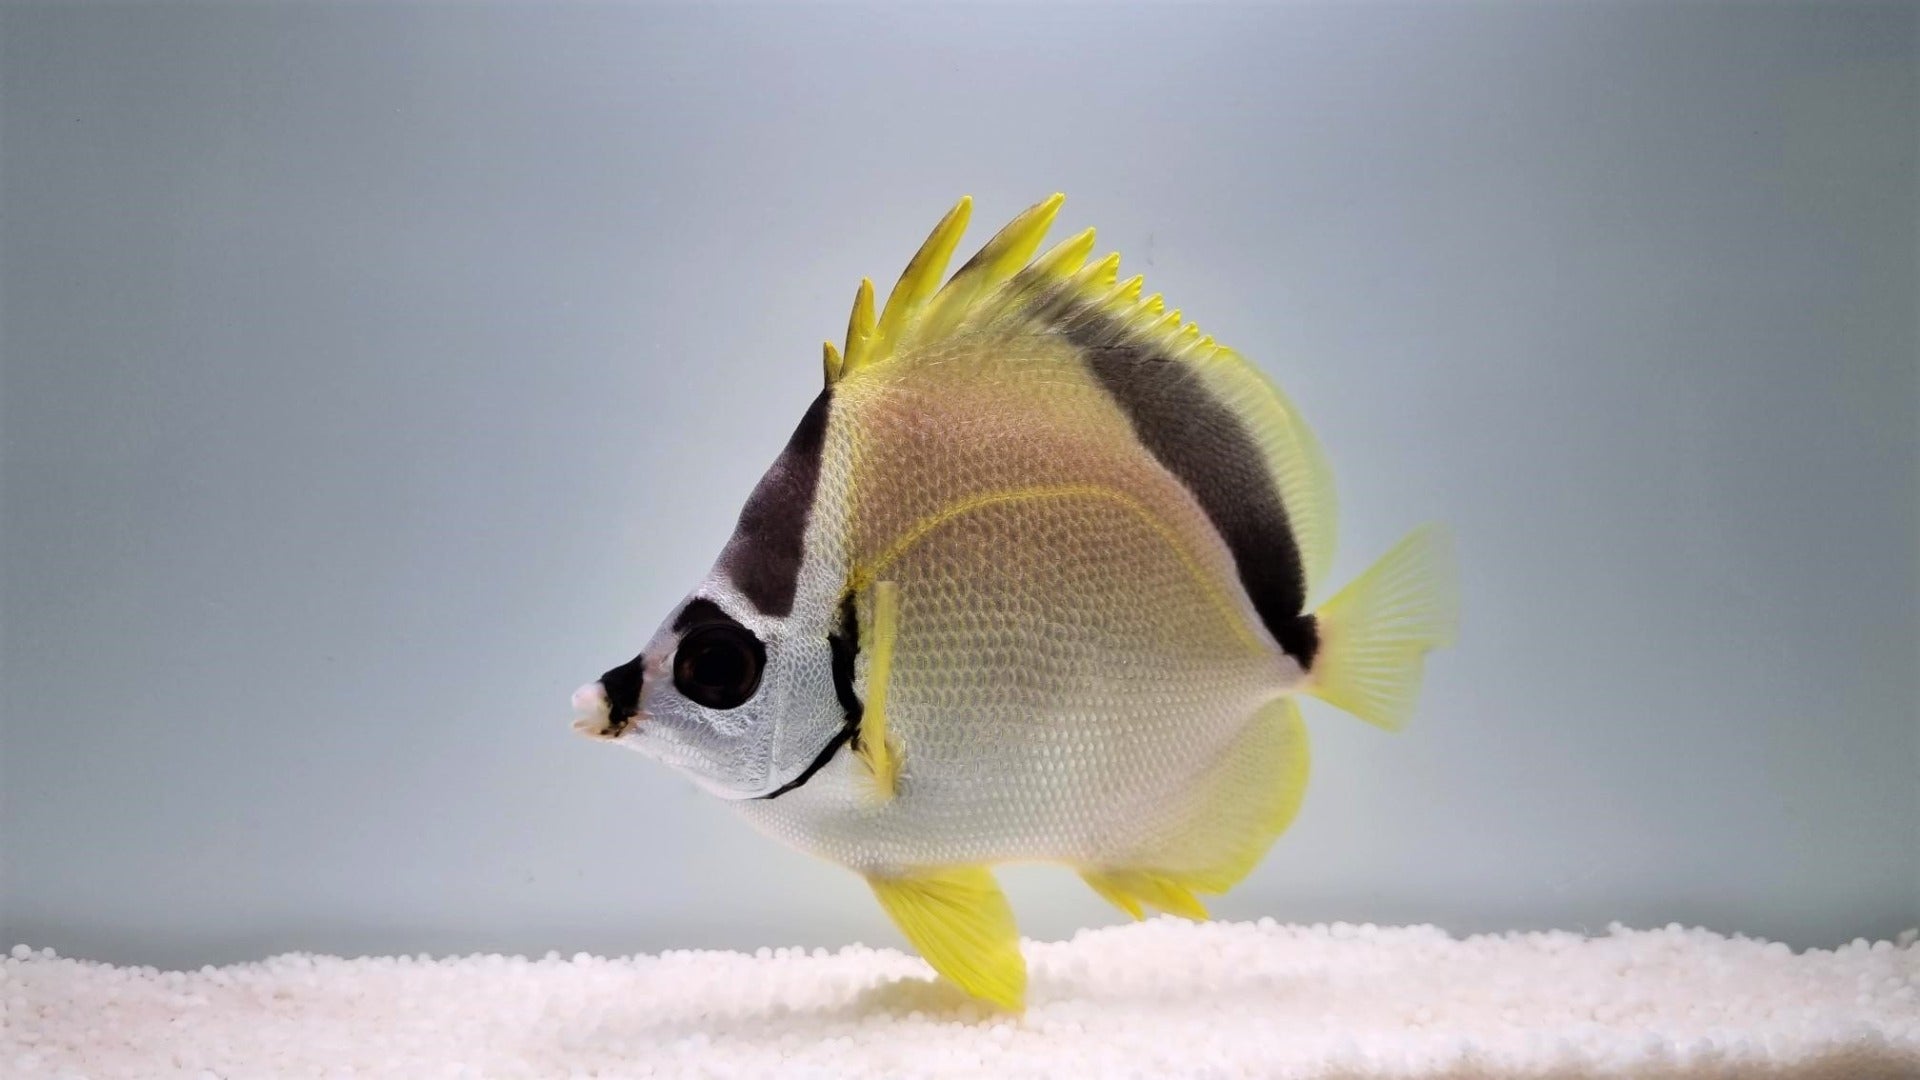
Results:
<point x="993" y="266"/>
<point x="919" y="280"/>
<point x="1376" y="632"/>
<point x="876" y="747"/>
<point x="1292" y="455"/>
<point x="960" y="921"/>
<point x="1132" y="891"/>
<point x="1222" y="826"/>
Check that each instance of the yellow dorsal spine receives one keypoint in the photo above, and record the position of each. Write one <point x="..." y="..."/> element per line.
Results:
<point x="1097" y="277"/>
<point x="859" y="328"/>
<point x="919" y="280"/>
<point x="993" y="285"/>
<point x="1193" y="345"/>
<point x="920" y="310"/>
<point x="994" y="265"/>
<point x="1065" y="257"/>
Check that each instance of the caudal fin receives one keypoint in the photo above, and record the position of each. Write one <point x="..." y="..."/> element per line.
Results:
<point x="1376" y="632"/>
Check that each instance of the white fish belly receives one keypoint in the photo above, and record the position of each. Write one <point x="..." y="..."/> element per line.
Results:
<point x="1072" y="670"/>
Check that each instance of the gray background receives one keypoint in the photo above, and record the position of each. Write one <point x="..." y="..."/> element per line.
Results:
<point x="375" y="377"/>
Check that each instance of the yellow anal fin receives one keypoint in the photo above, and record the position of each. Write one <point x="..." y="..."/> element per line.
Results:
<point x="960" y="921"/>
<point x="1221" y="825"/>
<point x="876" y="745"/>
<point x="1133" y="891"/>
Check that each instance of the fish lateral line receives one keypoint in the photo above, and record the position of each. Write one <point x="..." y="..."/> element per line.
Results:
<point x="863" y="576"/>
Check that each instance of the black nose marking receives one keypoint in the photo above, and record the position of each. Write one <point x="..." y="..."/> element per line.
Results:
<point x="622" y="686"/>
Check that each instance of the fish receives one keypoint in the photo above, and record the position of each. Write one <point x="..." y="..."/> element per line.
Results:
<point x="1037" y="577"/>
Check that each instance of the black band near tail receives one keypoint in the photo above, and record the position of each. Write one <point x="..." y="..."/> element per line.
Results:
<point x="1201" y="441"/>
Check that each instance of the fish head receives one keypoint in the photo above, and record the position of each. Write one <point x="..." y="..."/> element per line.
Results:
<point x="743" y="688"/>
<point x="730" y="697"/>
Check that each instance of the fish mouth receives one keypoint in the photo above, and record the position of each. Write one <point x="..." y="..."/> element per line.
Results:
<point x="609" y="708"/>
<point x="596" y="718"/>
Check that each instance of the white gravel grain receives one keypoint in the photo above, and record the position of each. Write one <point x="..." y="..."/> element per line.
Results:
<point x="1156" y="999"/>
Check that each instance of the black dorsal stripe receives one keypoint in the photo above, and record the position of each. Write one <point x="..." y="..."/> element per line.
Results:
<point x="1203" y="443"/>
<point x="763" y="558"/>
<point x="845" y="644"/>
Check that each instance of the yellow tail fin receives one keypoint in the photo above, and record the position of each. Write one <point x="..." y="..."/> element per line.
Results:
<point x="1376" y="632"/>
<point x="960" y="921"/>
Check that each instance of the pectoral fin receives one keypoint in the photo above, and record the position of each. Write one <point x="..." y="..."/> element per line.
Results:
<point x="959" y="920"/>
<point x="876" y="746"/>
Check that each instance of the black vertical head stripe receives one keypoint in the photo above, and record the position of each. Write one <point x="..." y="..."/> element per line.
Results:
<point x="763" y="557"/>
<point x="845" y="645"/>
<point x="1203" y="443"/>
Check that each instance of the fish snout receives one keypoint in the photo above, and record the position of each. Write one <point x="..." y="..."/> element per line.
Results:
<point x="591" y="716"/>
<point x="610" y="708"/>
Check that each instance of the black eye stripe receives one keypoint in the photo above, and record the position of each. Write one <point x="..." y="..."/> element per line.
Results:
<point x="699" y="612"/>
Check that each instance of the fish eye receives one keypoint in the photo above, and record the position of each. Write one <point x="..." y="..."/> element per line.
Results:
<point x="718" y="665"/>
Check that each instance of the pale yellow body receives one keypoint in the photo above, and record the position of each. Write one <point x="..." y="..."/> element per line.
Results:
<point x="1043" y="506"/>
<point x="1075" y="667"/>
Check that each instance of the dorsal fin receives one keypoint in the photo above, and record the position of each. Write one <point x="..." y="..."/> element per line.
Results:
<point x="860" y="331"/>
<point x="993" y="266"/>
<point x="1062" y="292"/>
<point x="919" y="280"/>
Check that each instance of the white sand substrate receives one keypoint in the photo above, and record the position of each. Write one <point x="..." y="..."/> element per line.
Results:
<point x="1156" y="999"/>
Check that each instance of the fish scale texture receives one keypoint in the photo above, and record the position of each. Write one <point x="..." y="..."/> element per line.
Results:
<point x="1075" y="655"/>
<point x="1156" y="999"/>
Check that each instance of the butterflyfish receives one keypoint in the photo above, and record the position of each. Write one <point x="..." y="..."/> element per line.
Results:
<point x="1038" y="577"/>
